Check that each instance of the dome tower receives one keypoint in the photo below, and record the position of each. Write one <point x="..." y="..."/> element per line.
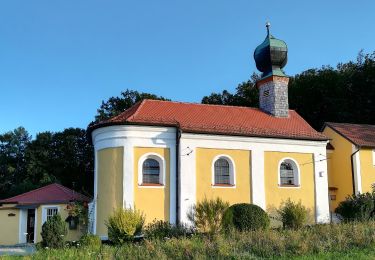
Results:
<point x="270" y="58"/>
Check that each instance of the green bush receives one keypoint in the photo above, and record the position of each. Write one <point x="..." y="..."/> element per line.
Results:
<point x="357" y="207"/>
<point x="207" y="215"/>
<point x="293" y="215"/>
<point x="124" y="224"/>
<point x="53" y="232"/>
<point x="245" y="217"/>
<point x="163" y="229"/>
<point x="90" y="241"/>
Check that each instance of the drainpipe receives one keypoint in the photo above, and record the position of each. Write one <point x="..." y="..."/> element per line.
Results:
<point x="178" y="137"/>
<point x="352" y="163"/>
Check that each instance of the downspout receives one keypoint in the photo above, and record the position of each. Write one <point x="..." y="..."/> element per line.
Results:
<point x="178" y="137"/>
<point x="352" y="162"/>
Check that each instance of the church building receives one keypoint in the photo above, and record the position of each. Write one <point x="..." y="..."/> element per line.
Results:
<point x="163" y="157"/>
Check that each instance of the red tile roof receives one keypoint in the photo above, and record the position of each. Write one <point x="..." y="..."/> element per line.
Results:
<point x="215" y="119"/>
<point x="53" y="193"/>
<point x="358" y="134"/>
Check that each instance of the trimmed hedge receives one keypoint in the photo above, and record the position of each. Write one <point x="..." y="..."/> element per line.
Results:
<point x="360" y="207"/>
<point x="245" y="217"/>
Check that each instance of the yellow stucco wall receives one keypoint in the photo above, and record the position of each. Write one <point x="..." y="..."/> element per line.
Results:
<point x="367" y="169"/>
<point x="72" y="235"/>
<point x="238" y="194"/>
<point x="339" y="167"/>
<point x="110" y="185"/>
<point x="153" y="201"/>
<point x="9" y="226"/>
<point x="275" y="194"/>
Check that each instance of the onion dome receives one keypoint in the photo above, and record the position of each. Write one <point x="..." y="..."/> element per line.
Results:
<point x="271" y="56"/>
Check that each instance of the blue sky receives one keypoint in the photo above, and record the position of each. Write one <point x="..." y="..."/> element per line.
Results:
<point x="60" y="59"/>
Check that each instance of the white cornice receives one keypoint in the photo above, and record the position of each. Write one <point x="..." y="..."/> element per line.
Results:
<point x="252" y="139"/>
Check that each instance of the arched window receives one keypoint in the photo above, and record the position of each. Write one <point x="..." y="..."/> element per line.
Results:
<point x="289" y="173"/>
<point x="222" y="172"/>
<point x="151" y="171"/>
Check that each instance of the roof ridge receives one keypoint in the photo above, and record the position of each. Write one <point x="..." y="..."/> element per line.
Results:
<point x="70" y="192"/>
<point x="27" y="192"/>
<point x="139" y="106"/>
<point x="202" y="104"/>
<point x="66" y="190"/>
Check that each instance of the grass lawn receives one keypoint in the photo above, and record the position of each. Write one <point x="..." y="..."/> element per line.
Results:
<point x="342" y="241"/>
<point x="110" y="253"/>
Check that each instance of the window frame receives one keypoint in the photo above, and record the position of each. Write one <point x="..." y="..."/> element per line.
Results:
<point x="232" y="172"/>
<point x="45" y="211"/>
<point x="373" y="157"/>
<point x="297" y="176"/>
<point x="161" y="162"/>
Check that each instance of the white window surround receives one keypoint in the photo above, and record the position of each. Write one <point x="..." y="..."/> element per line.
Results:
<point x="297" y="176"/>
<point x="232" y="171"/>
<point x="44" y="211"/>
<point x="373" y="157"/>
<point x="161" y="162"/>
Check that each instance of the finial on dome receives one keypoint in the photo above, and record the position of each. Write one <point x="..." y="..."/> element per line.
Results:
<point x="268" y="25"/>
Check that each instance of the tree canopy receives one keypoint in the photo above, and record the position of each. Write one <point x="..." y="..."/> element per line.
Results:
<point x="115" y="105"/>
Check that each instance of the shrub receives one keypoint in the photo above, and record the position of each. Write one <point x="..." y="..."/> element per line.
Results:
<point x="293" y="215"/>
<point x="124" y="224"/>
<point x="163" y="229"/>
<point x="207" y="215"/>
<point x="245" y="217"/>
<point x="91" y="241"/>
<point x="357" y="207"/>
<point x="53" y="232"/>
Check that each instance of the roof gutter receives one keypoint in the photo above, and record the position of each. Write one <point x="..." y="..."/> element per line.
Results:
<point x="352" y="164"/>
<point x="178" y="137"/>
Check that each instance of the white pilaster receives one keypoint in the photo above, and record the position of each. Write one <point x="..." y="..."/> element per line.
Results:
<point x="172" y="183"/>
<point x="258" y="193"/>
<point x="357" y="170"/>
<point x="321" y="186"/>
<point x="187" y="181"/>
<point x="128" y="175"/>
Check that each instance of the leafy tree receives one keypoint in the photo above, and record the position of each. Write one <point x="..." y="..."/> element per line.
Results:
<point x="246" y="95"/>
<point x="344" y="94"/>
<point x="115" y="105"/>
<point x="12" y="160"/>
<point x="65" y="157"/>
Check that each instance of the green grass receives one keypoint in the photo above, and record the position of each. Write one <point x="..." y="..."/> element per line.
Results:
<point x="343" y="241"/>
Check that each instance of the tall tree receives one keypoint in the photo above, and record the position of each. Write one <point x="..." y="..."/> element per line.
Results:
<point x="115" y="105"/>
<point x="65" y="157"/>
<point x="246" y="95"/>
<point x="13" y="146"/>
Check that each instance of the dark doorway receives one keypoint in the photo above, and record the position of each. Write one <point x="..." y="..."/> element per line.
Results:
<point x="30" y="225"/>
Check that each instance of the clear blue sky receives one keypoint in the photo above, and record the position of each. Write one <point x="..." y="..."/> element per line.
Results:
<point x="60" y="59"/>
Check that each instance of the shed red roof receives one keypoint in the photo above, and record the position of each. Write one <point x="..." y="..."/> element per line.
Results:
<point x="215" y="119"/>
<point x="358" y="134"/>
<point x="53" y="193"/>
